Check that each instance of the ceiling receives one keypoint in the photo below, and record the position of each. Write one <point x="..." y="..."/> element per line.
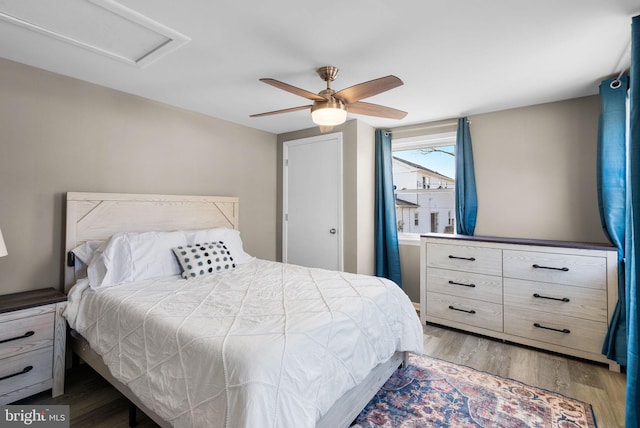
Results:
<point x="456" y="57"/>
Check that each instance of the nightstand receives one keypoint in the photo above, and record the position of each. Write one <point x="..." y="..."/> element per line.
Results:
<point x="32" y="344"/>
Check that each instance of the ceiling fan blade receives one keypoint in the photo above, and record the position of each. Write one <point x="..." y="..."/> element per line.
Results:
<point x="286" y="110"/>
<point x="375" y="110"/>
<point x="293" y="89"/>
<point x="368" y="89"/>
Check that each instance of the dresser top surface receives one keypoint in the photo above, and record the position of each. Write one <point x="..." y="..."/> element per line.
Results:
<point x="30" y="299"/>
<point x="523" y="241"/>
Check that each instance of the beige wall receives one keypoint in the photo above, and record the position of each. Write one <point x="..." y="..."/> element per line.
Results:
<point x="358" y="188"/>
<point x="366" y="185"/>
<point x="535" y="176"/>
<point x="536" y="171"/>
<point x="59" y="134"/>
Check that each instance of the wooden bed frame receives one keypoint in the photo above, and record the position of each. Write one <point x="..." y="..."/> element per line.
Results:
<point x="97" y="216"/>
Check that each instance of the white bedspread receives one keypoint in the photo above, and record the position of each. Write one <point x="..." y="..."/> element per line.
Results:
<point x="265" y="345"/>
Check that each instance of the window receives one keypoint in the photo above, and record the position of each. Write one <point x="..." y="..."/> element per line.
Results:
<point x="424" y="179"/>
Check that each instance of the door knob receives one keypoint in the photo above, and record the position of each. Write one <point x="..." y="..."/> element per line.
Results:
<point x="332" y="231"/>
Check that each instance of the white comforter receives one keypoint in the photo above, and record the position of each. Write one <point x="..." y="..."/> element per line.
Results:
<point x="264" y="345"/>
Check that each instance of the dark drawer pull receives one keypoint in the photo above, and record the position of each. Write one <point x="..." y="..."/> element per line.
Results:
<point x="563" y="269"/>
<point x="564" y="330"/>
<point x="24" y="370"/>
<point x="564" y="299"/>
<point x="462" y="310"/>
<point x="471" y="259"/>
<point x="27" y="334"/>
<point x="464" y="285"/>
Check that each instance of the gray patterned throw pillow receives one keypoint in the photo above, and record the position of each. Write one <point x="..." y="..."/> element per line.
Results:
<point x="204" y="259"/>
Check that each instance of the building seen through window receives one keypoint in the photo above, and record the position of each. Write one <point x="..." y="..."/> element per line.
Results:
<point x="424" y="180"/>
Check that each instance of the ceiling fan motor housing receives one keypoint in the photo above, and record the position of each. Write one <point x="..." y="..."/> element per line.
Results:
<point x="328" y="73"/>
<point x="330" y="103"/>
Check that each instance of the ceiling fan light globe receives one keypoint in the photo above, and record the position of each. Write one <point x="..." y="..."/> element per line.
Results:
<point x="328" y="113"/>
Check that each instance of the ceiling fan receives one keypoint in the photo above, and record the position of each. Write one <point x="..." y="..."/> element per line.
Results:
<point x="330" y="108"/>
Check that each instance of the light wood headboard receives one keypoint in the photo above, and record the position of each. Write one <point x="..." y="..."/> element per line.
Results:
<point x="97" y="216"/>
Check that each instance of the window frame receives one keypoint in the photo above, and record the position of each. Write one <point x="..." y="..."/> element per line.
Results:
<point x="443" y="139"/>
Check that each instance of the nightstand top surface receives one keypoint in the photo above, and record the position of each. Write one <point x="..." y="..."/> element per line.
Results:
<point x="29" y="299"/>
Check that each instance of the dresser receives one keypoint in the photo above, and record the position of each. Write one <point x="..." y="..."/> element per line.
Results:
<point x="32" y="343"/>
<point x="554" y="295"/>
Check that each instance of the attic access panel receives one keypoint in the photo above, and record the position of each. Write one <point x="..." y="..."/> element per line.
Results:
<point x="102" y="26"/>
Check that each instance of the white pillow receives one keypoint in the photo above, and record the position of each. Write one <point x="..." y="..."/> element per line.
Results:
<point x="83" y="256"/>
<point x="85" y="252"/>
<point x="230" y="237"/>
<point x="96" y="269"/>
<point x="135" y="256"/>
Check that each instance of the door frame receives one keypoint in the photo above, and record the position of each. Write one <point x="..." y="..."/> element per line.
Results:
<point x="285" y="180"/>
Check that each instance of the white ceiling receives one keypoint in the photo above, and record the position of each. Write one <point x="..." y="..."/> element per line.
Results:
<point x="456" y="57"/>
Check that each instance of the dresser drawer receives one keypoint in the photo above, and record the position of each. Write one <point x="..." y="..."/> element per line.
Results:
<point x="465" y="258"/>
<point x="40" y="362"/>
<point x="586" y="303"/>
<point x="575" y="333"/>
<point x="579" y="271"/>
<point x="26" y="334"/>
<point x="467" y="311"/>
<point x="477" y="286"/>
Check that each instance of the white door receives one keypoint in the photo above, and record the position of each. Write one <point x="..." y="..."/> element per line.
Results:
<point x="312" y="198"/>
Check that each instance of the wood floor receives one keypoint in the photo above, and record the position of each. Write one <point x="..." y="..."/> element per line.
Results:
<point x="585" y="381"/>
<point x="94" y="403"/>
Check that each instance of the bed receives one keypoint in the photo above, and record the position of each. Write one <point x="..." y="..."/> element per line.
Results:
<point x="258" y="343"/>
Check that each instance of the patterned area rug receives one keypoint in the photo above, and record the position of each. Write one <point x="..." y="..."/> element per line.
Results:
<point x="435" y="393"/>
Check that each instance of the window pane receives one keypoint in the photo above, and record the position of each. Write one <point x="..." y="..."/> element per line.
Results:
<point x="424" y="179"/>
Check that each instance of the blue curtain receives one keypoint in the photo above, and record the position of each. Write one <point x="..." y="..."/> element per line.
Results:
<point x="611" y="174"/>
<point x="632" y="245"/>
<point x="387" y="258"/>
<point x="466" y="197"/>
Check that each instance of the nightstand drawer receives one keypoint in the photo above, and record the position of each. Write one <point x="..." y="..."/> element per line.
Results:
<point x="576" y="270"/>
<point x="24" y="370"/>
<point x="26" y="334"/>
<point x="478" y="286"/>
<point x="467" y="311"/>
<point x="32" y="343"/>
<point x="487" y="261"/>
